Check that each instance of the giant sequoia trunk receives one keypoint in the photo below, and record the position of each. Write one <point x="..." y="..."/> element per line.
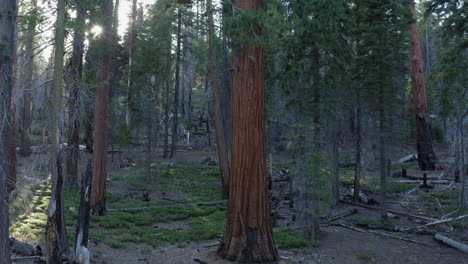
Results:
<point x="98" y="200"/>
<point x="76" y="72"/>
<point x="218" y="116"/>
<point x="7" y="32"/>
<point x="426" y="154"/>
<point x="248" y="235"/>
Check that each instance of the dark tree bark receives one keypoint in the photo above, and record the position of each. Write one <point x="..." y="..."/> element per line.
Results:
<point x="248" y="235"/>
<point x="7" y="32"/>
<point x="82" y="226"/>
<point x="383" y="158"/>
<point x="76" y="73"/>
<point x="177" y="83"/>
<point x="12" y="146"/>
<point x="218" y="117"/>
<point x="98" y="200"/>
<point x="426" y="155"/>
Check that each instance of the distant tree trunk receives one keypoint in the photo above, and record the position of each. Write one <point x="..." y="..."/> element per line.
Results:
<point x="383" y="159"/>
<point x="461" y="160"/>
<point x="248" y="236"/>
<point x="12" y="146"/>
<point x="131" y="52"/>
<point x="177" y="83"/>
<point x="76" y="72"/>
<point x="55" y="229"/>
<point x="218" y="116"/>
<point x="89" y="110"/>
<point x="357" y="175"/>
<point x="26" y="106"/>
<point x="166" y="121"/>
<point x="335" y="161"/>
<point x="426" y="155"/>
<point x="226" y="97"/>
<point x="7" y="31"/>
<point x="98" y="200"/>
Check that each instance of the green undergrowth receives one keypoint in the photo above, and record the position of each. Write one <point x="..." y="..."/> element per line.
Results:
<point x="287" y="239"/>
<point x="370" y="221"/>
<point x="371" y="185"/>
<point x="449" y="200"/>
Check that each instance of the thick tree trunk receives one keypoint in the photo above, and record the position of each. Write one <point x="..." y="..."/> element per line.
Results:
<point x="98" y="200"/>
<point x="248" y="235"/>
<point x="12" y="146"/>
<point x="7" y="32"/>
<point x="177" y="83"/>
<point x="218" y="117"/>
<point x="357" y="175"/>
<point x="426" y="155"/>
<point x="76" y="72"/>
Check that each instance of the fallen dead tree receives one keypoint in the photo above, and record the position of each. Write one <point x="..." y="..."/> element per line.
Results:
<point x="25" y="249"/>
<point x="390" y="211"/>
<point x="416" y="181"/>
<point x="452" y="243"/>
<point x="212" y="203"/>
<point x="442" y="221"/>
<point x="344" y="214"/>
<point x="367" y="199"/>
<point x="382" y="234"/>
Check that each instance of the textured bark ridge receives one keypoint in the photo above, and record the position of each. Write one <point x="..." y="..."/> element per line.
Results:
<point x="426" y="154"/>
<point x="248" y="236"/>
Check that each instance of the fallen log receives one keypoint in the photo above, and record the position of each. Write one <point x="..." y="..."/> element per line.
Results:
<point x="408" y="158"/>
<point x="212" y="203"/>
<point x="364" y="198"/>
<point x="444" y="221"/>
<point x="452" y="243"/>
<point x="382" y="234"/>
<point x="416" y="181"/>
<point x="344" y="214"/>
<point x="390" y="211"/>
<point x="24" y="248"/>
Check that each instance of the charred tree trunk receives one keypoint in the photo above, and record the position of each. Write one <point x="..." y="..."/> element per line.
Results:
<point x="248" y="235"/>
<point x="426" y="155"/>
<point x="55" y="230"/>
<point x="177" y="83"/>
<point x="82" y="226"/>
<point x="218" y="117"/>
<point x="76" y="72"/>
<point x="98" y="200"/>
<point x="7" y="32"/>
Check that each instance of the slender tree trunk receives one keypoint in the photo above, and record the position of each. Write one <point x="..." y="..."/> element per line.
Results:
<point x="357" y="175"/>
<point x="383" y="159"/>
<point x="218" y="117"/>
<point x="76" y="72"/>
<point x="248" y="235"/>
<point x="131" y="52"/>
<point x="335" y="160"/>
<point x="166" y="121"/>
<point x="461" y="162"/>
<point x="12" y="146"/>
<point x="26" y="106"/>
<point x="7" y="32"/>
<point x="55" y="229"/>
<point x="426" y="155"/>
<point x="177" y="83"/>
<point x="98" y="200"/>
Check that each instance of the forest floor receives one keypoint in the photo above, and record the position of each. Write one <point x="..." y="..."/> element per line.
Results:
<point x="180" y="234"/>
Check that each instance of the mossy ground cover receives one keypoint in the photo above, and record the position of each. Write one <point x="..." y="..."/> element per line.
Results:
<point x="149" y="228"/>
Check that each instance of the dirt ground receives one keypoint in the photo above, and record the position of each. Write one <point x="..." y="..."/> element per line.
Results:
<point x="339" y="245"/>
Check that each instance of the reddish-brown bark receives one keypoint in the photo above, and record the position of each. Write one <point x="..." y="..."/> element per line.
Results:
<point x="426" y="155"/>
<point x="248" y="235"/>
<point x="98" y="200"/>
